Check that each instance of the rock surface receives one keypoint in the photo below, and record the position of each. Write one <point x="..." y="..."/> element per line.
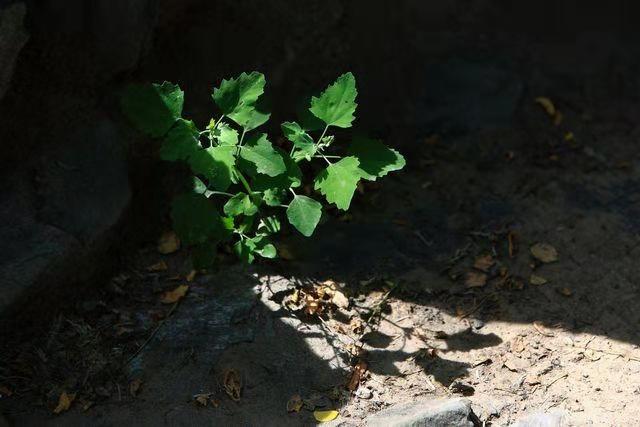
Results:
<point x="538" y="419"/>
<point x="13" y="37"/>
<point x="426" y="413"/>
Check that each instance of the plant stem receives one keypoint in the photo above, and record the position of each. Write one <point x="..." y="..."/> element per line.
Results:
<point x="328" y="157"/>
<point x="323" y="132"/>
<point x="221" y="193"/>
<point x="244" y="182"/>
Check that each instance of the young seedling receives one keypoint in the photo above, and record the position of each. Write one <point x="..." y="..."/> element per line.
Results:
<point x="241" y="182"/>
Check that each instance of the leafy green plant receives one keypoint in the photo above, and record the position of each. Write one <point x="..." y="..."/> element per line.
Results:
<point x="242" y="182"/>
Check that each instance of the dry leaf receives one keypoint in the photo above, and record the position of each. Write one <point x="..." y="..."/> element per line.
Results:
<point x="325" y="416"/>
<point x="158" y="266"/>
<point x="537" y="280"/>
<point x="168" y="243"/>
<point x="566" y="292"/>
<point x="134" y="387"/>
<point x="175" y="295"/>
<point x="202" y="399"/>
<point x="544" y="252"/>
<point x="557" y="118"/>
<point x="484" y="263"/>
<point x="538" y="326"/>
<point x="518" y="345"/>
<point x="475" y="279"/>
<point x="569" y="136"/>
<point x="513" y="248"/>
<point x="64" y="402"/>
<point x="295" y="403"/>
<point x="191" y="275"/>
<point x="547" y="104"/>
<point x="232" y="383"/>
<point x="357" y="375"/>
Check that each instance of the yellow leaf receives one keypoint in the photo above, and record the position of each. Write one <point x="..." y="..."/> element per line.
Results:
<point x="325" y="416"/>
<point x="158" y="266"/>
<point x="537" y="280"/>
<point x="191" y="275"/>
<point x="294" y="404"/>
<point x="168" y="243"/>
<point x="64" y="402"/>
<point x="544" y="252"/>
<point x="175" y="295"/>
<point x="547" y="104"/>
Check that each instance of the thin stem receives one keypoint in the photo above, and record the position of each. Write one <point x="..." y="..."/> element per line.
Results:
<point x="323" y="132"/>
<point x="328" y="157"/>
<point x="326" y="160"/>
<point x="244" y="182"/>
<point x="242" y="137"/>
<point x="221" y="193"/>
<point x="292" y="192"/>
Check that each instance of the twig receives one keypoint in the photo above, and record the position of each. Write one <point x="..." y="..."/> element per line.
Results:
<point x="155" y="331"/>
<point x="556" y="380"/>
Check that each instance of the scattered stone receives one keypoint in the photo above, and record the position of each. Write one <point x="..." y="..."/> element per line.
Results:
<point x="432" y="413"/>
<point x="550" y="419"/>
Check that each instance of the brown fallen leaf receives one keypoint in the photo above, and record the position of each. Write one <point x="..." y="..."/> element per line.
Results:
<point x="547" y="104"/>
<point x="484" y="263"/>
<point x="202" y="399"/>
<point x="511" y="239"/>
<point x="64" y="402"/>
<point x="295" y="403"/>
<point x="538" y="326"/>
<point x="191" y="275"/>
<point x="175" y="295"/>
<point x="158" y="266"/>
<point x="134" y="387"/>
<point x="232" y="383"/>
<point x="357" y="375"/>
<point x="168" y="243"/>
<point x="5" y="391"/>
<point x="565" y="292"/>
<point x="557" y="118"/>
<point x="544" y="252"/>
<point x="518" y="345"/>
<point x="475" y="279"/>
<point x="537" y="280"/>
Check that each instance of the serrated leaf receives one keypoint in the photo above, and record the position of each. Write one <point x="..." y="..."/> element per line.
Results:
<point x="196" y="220"/>
<point x="259" y="151"/>
<point x="238" y="99"/>
<point x="338" y="181"/>
<point x="274" y="196"/>
<point x="241" y="204"/>
<point x="275" y="188"/>
<point x="304" y="214"/>
<point x="225" y="135"/>
<point x="303" y="143"/>
<point x="216" y="164"/>
<point x="181" y="141"/>
<point x="337" y="104"/>
<point x="376" y="159"/>
<point x="153" y="108"/>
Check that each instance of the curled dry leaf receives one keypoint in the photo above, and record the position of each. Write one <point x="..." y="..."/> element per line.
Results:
<point x="357" y="375"/>
<point x="202" y="398"/>
<point x="168" y="243"/>
<point x="538" y="326"/>
<point x="295" y="403"/>
<point x="484" y="263"/>
<point x="158" y="266"/>
<point x="544" y="252"/>
<point x="64" y="402"/>
<point x="232" y="383"/>
<point x="175" y="295"/>
<point x="475" y="279"/>
<point x="5" y="391"/>
<point x="547" y="104"/>
<point x="325" y="416"/>
<point x="537" y="280"/>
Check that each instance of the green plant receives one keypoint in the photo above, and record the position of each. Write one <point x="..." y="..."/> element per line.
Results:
<point x="237" y="168"/>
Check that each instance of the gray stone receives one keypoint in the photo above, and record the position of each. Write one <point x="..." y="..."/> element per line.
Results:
<point x="13" y="36"/>
<point x="426" y="413"/>
<point x="549" y="419"/>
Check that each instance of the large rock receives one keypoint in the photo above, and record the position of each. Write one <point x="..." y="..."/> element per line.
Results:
<point x="426" y="413"/>
<point x="13" y="36"/>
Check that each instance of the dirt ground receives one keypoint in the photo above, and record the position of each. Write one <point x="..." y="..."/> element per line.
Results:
<point x="501" y="265"/>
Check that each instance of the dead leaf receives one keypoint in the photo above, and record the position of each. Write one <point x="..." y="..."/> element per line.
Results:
<point x="191" y="275"/>
<point x="475" y="279"/>
<point x="5" y="391"/>
<point x="325" y="416"/>
<point x="538" y="326"/>
<point x="175" y="295"/>
<point x="557" y="118"/>
<point x="537" y="280"/>
<point x="295" y="403"/>
<point x="357" y="375"/>
<point x="484" y="263"/>
<point x="64" y="402"/>
<point x="569" y="136"/>
<point x="168" y="243"/>
<point x="565" y="292"/>
<point x="547" y="104"/>
<point x="518" y="345"/>
<point x="232" y="383"/>
<point x="544" y="252"/>
<point x="158" y="266"/>
<point x="134" y="387"/>
<point x="513" y="248"/>
<point x="202" y="399"/>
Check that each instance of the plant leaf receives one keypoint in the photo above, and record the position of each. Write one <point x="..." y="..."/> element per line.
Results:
<point x="259" y="151"/>
<point x="181" y="141"/>
<point x="152" y="108"/>
<point x="225" y="135"/>
<point x="303" y="143"/>
<point x="244" y="249"/>
<point x="238" y="99"/>
<point x="269" y="225"/>
<point x="337" y="104"/>
<point x="304" y="214"/>
<point x="241" y="204"/>
<point x="196" y="220"/>
<point x="216" y="164"/>
<point x="338" y="181"/>
<point x="376" y="159"/>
